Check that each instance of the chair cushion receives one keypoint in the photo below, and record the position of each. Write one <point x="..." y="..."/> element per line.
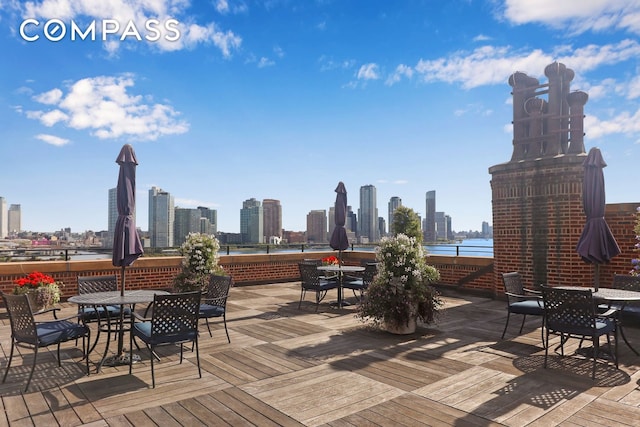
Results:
<point x="59" y="331"/>
<point x="142" y="330"/>
<point x="89" y="313"/>
<point x="209" y="310"/>
<point x="357" y="284"/>
<point x="527" y="307"/>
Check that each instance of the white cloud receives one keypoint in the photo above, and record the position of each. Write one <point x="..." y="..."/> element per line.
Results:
<point x="623" y="123"/>
<point x="594" y="15"/>
<point x="139" y="12"/>
<point x="104" y="106"/>
<point x="488" y="65"/>
<point x="368" y="72"/>
<point x="400" y="72"/>
<point x="53" y="140"/>
<point x="265" y="62"/>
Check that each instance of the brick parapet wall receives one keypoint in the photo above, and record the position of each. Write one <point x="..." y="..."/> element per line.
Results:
<point x="471" y="273"/>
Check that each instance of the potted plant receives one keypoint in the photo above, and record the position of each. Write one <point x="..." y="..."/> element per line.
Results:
<point x="43" y="290"/>
<point x="401" y="293"/>
<point x="200" y="260"/>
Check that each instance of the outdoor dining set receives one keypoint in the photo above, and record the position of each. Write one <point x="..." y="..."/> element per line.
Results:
<point x="167" y="318"/>
<point x="577" y="312"/>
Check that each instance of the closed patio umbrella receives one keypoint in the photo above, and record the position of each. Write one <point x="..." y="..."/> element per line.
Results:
<point x="127" y="246"/>
<point x="339" y="240"/>
<point x="596" y="244"/>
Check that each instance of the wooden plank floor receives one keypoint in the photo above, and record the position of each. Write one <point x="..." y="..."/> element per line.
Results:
<point x="291" y="367"/>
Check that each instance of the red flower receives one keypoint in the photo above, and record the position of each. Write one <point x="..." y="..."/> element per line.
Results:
<point x="35" y="279"/>
<point x="330" y="260"/>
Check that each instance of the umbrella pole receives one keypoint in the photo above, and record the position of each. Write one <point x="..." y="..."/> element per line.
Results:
<point x="596" y="273"/>
<point x="123" y="281"/>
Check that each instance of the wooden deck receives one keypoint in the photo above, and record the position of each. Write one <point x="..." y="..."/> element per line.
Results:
<point x="288" y="367"/>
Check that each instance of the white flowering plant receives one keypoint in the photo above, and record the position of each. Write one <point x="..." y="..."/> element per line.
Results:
<point x="200" y="260"/>
<point x="402" y="288"/>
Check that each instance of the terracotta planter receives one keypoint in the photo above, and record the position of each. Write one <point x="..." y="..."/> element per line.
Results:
<point x="403" y="329"/>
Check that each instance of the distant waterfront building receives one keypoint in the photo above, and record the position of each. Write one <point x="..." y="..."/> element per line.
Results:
<point x="368" y="214"/>
<point x="429" y="226"/>
<point x="331" y="220"/>
<point x="252" y="221"/>
<point x="317" y="226"/>
<point x="394" y="203"/>
<point x="185" y="221"/>
<point x="272" y="217"/>
<point x="208" y="220"/>
<point x="161" y="218"/>
<point x="14" y="220"/>
<point x="4" y="218"/>
<point x="294" y="236"/>
<point x="487" y="230"/>
<point x="352" y="221"/>
<point x="447" y="219"/>
<point x="441" y="226"/>
<point x="382" y="226"/>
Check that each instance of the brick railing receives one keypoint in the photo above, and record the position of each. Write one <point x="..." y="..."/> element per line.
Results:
<point x="466" y="273"/>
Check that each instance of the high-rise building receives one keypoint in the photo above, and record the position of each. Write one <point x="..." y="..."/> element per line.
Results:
<point x="4" y="218"/>
<point x="112" y="214"/>
<point x="252" y="221"/>
<point x="272" y="211"/>
<point x="382" y="226"/>
<point x="317" y="226"/>
<point x="429" y="229"/>
<point x="161" y="218"/>
<point x="394" y="203"/>
<point x="449" y="229"/>
<point x="352" y="221"/>
<point x="210" y="223"/>
<point x="368" y="214"/>
<point x="185" y="221"/>
<point x="441" y="226"/>
<point x="331" y="220"/>
<point x="14" y="220"/>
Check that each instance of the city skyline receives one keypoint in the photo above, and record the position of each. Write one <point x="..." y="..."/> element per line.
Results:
<point x="281" y="100"/>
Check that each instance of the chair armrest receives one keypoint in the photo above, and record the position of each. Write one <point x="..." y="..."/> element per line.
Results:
<point x="140" y="317"/>
<point x="532" y="291"/>
<point x="53" y="310"/>
<point x="612" y="312"/>
<point x="524" y="297"/>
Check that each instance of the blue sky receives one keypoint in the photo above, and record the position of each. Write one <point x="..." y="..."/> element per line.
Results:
<point x="282" y="99"/>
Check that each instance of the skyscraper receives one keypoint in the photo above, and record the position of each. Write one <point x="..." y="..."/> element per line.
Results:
<point x="112" y="214"/>
<point x="368" y="214"/>
<point x="210" y="223"/>
<point x="4" y="218"/>
<point x="352" y="221"/>
<point x="272" y="211"/>
<point x="441" y="226"/>
<point x="186" y="221"/>
<point x="394" y="203"/>
<point x="161" y="218"/>
<point x="14" y="220"/>
<point x="252" y="221"/>
<point x="317" y="226"/>
<point x="430" y="217"/>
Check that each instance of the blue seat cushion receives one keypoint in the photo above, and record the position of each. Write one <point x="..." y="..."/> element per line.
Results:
<point x="209" y="310"/>
<point x="92" y="313"/>
<point x="527" y="307"/>
<point x="603" y="326"/>
<point x="356" y="284"/>
<point x="60" y="331"/>
<point x="142" y="330"/>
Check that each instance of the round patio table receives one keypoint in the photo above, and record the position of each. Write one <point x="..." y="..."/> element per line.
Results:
<point x="340" y="269"/>
<point x="130" y="298"/>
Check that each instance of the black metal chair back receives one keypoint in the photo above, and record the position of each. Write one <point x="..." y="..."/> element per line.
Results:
<point x="174" y="321"/>
<point x="311" y="280"/>
<point x="214" y="303"/>
<point x="571" y="313"/>
<point x="92" y="284"/>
